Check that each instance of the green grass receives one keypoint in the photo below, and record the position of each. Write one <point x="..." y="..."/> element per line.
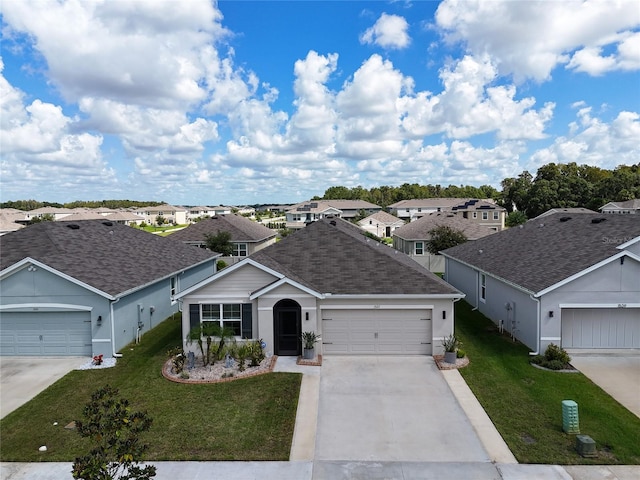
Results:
<point x="525" y="403"/>
<point x="164" y="229"/>
<point x="247" y="419"/>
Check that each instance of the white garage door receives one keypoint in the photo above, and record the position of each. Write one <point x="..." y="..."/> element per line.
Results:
<point x="376" y="332"/>
<point x="601" y="327"/>
<point x="45" y="333"/>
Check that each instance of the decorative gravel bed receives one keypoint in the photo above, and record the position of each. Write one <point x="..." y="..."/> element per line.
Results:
<point x="217" y="372"/>
<point x="442" y="365"/>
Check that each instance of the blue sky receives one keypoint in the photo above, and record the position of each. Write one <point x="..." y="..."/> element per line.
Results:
<point x="239" y="102"/>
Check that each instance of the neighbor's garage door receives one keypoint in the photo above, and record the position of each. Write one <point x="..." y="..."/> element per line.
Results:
<point x="601" y="327"/>
<point x="45" y="333"/>
<point x="376" y="332"/>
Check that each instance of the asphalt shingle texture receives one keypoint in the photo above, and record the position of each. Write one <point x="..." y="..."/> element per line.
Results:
<point x="333" y="256"/>
<point x="111" y="257"/>
<point x="543" y="252"/>
<point x="241" y="229"/>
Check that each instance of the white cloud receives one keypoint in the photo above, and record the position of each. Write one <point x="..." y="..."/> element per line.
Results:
<point x="529" y="39"/>
<point x="595" y="142"/>
<point x="389" y="31"/>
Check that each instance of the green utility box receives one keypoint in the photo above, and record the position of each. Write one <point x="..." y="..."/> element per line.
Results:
<point x="570" y="422"/>
<point x="586" y="446"/>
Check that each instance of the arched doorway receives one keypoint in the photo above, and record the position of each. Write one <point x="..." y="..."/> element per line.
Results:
<point x="287" y="326"/>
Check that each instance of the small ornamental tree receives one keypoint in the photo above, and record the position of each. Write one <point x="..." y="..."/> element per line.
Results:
<point x="160" y="220"/>
<point x="220" y="243"/>
<point x="515" y="218"/>
<point x="443" y="237"/>
<point x="114" y="430"/>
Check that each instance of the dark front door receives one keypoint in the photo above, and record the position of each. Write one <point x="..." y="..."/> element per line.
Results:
<point x="287" y="326"/>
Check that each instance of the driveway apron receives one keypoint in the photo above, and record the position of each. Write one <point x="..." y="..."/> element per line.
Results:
<point x="23" y="378"/>
<point x="391" y="409"/>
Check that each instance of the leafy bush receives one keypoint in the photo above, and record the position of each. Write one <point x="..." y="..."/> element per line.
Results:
<point x="257" y="353"/>
<point x="554" y="358"/>
<point x="115" y="432"/>
<point x="461" y="354"/>
<point x="178" y="359"/>
<point x="554" y="352"/>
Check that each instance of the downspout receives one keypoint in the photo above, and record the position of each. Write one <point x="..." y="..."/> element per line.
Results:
<point x="537" y="352"/>
<point x="113" y="330"/>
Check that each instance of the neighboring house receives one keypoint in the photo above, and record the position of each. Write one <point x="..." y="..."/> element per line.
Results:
<point x="381" y="224"/>
<point x="627" y="207"/>
<point x="247" y="236"/>
<point x="483" y="212"/>
<point x="90" y="287"/>
<point x="56" y="212"/>
<point x="567" y="211"/>
<point x="171" y="214"/>
<point x="126" y="218"/>
<point x="246" y="211"/>
<point x="82" y="215"/>
<point x="353" y="208"/>
<point x="9" y="218"/>
<point x="569" y="280"/>
<point x="301" y="214"/>
<point x="412" y="238"/>
<point x="361" y="296"/>
<point x="204" y="211"/>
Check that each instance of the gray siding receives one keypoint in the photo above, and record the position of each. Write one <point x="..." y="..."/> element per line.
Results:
<point x="464" y="279"/>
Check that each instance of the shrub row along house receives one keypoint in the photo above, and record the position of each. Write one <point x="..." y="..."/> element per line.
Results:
<point x="91" y="287"/>
<point x="571" y="280"/>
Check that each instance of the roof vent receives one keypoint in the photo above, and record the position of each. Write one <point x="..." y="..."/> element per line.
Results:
<point x="108" y="224"/>
<point x="73" y="226"/>
<point x="597" y="220"/>
<point x="333" y="222"/>
<point x="565" y="219"/>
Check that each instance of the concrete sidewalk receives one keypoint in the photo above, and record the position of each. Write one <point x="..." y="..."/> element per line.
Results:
<point x="327" y="470"/>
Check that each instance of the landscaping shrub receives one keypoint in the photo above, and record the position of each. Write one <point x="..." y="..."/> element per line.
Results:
<point x="554" y="358"/>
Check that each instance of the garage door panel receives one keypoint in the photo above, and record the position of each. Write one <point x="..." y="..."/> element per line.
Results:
<point x="45" y="333"/>
<point x="601" y="328"/>
<point x="371" y="332"/>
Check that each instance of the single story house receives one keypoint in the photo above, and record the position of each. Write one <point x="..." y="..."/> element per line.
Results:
<point x="413" y="237"/>
<point x="360" y="296"/>
<point x="381" y="224"/>
<point x="565" y="210"/>
<point x="247" y="236"/>
<point x="628" y="207"/>
<point x="569" y="280"/>
<point x="484" y="212"/>
<point x="90" y="287"/>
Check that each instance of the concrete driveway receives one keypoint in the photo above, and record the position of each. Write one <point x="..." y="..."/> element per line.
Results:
<point x="22" y="378"/>
<point x="618" y="375"/>
<point x="391" y="409"/>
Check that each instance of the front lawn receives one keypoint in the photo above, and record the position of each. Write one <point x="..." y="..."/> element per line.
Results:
<point x="248" y="419"/>
<point x="525" y="403"/>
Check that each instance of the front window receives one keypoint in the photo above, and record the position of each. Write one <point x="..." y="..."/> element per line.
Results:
<point x="226" y="315"/>
<point x="239" y="250"/>
<point x="483" y="287"/>
<point x="475" y="214"/>
<point x="485" y="215"/>
<point x="419" y="248"/>
<point x="496" y="215"/>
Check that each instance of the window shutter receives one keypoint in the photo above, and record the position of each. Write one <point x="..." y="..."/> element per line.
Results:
<point x="247" y="320"/>
<point x="194" y="316"/>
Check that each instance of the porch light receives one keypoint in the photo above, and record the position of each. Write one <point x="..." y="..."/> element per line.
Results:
<point x="306" y="315"/>
<point x="99" y="319"/>
<point x="444" y="314"/>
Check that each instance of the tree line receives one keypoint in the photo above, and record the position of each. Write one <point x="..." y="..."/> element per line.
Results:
<point x="27" y="205"/>
<point x="554" y="186"/>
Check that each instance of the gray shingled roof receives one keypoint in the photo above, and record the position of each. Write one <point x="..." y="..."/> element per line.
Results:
<point x="111" y="257"/>
<point x="333" y="256"/>
<point x="540" y="254"/>
<point x="419" y="229"/>
<point x="241" y="229"/>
